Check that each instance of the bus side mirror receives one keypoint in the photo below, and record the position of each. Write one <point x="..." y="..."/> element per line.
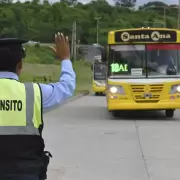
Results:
<point x="103" y="52"/>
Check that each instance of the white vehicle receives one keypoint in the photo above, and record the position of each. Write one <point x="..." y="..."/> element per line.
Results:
<point x="32" y="42"/>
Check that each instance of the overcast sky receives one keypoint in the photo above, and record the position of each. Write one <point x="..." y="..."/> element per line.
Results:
<point x="139" y="2"/>
<point x="165" y="1"/>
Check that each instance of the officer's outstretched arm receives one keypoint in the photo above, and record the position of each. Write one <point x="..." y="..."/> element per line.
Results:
<point x="56" y="93"/>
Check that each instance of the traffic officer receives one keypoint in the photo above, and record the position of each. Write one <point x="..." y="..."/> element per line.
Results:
<point x="22" y="155"/>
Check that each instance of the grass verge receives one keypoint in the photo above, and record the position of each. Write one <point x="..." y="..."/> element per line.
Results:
<point x="40" y="62"/>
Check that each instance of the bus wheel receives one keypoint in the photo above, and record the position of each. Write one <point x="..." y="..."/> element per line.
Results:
<point x="96" y="94"/>
<point x="169" y="113"/>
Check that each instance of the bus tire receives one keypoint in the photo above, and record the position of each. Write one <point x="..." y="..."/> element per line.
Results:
<point x="115" y="113"/>
<point x="169" y="113"/>
<point x="96" y="94"/>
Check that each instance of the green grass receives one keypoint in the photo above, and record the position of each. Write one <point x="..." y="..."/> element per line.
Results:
<point x="40" y="54"/>
<point x="41" y="62"/>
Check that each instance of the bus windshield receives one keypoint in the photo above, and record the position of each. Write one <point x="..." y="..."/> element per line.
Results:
<point x="151" y="60"/>
<point x="163" y="59"/>
<point x="99" y="71"/>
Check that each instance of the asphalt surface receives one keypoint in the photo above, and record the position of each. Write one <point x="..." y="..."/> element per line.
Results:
<point x="87" y="143"/>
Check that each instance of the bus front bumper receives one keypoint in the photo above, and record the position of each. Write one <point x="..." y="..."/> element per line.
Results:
<point x="131" y="105"/>
<point x="98" y="89"/>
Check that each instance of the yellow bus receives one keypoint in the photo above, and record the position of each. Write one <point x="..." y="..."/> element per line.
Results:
<point x="98" y="77"/>
<point x="143" y="70"/>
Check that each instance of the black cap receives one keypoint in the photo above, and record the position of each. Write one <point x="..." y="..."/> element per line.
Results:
<point x="11" y="53"/>
<point x="12" y="41"/>
<point x="12" y="47"/>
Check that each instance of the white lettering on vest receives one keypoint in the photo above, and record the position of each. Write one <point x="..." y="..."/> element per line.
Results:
<point x="10" y="105"/>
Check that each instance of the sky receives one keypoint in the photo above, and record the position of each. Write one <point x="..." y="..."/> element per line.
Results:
<point x="139" y="2"/>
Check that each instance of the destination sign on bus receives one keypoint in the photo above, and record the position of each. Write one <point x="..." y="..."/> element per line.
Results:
<point x="115" y="67"/>
<point x="146" y="36"/>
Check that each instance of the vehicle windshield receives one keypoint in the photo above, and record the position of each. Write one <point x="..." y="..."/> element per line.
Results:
<point x="163" y="59"/>
<point x="152" y="60"/>
<point x="99" y="71"/>
<point x="127" y="60"/>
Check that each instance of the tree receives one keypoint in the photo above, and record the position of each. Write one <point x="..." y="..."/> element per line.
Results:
<point x="128" y="3"/>
<point x="153" y="4"/>
<point x="38" y="21"/>
<point x="125" y="3"/>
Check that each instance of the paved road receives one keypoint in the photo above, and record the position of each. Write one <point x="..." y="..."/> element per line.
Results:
<point x="88" y="144"/>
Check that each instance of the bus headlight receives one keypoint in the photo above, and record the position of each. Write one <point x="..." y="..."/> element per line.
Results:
<point x="175" y="89"/>
<point x="116" y="90"/>
<point x="97" y="84"/>
<point x="113" y="89"/>
<point x="178" y="89"/>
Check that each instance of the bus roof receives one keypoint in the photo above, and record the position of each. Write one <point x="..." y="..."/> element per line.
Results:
<point x="144" y="35"/>
<point x="143" y="28"/>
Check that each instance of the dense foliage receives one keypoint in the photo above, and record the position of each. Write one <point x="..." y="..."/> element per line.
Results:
<point x="39" y="21"/>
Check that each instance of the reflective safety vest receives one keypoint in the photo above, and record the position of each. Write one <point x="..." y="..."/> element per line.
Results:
<point x="20" y="108"/>
<point x="21" y="125"/>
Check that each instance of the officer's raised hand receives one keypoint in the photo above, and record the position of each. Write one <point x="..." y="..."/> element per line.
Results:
<point x="61" y="48"/>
